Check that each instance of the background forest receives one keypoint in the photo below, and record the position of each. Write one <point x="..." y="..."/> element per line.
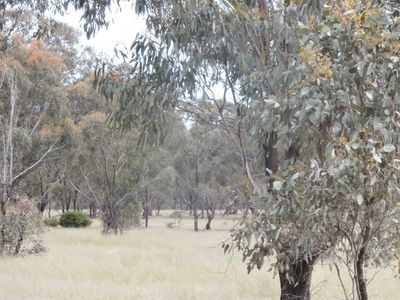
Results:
<point x="281" y="115"/>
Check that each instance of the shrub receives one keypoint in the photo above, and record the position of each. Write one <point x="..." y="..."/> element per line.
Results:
<point x="53" y="221"/>
<point x="74" y="218"/>
<point x="177" y="215"/>
<point x="20" y="228"/>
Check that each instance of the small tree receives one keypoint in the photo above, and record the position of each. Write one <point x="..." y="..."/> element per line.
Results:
<point x="20" y="228"/>
<point x="108" y="168"/>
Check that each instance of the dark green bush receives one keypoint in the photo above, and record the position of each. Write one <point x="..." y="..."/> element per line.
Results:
<point x="53" y="221"/>
<point x="74" y="218"/>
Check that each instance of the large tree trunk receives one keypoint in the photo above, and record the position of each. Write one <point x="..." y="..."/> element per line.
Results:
<point x="360" y="276"/>
<point x="296" y="281"/>
<point x="299" y="287"/>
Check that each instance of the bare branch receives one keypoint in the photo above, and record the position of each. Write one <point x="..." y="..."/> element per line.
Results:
<point x="37" y="163"/>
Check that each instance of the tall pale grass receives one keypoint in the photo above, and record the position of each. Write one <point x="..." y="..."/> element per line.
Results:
<point x="157" y="263"/>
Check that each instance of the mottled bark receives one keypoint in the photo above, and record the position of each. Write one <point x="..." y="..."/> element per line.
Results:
<point x="361" y="279"/>
<point x="298" y="288"/>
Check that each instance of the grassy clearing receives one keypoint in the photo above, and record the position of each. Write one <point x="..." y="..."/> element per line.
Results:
<point x="157" y="263"/>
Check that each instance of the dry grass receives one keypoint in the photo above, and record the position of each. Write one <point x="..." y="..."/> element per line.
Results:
<point x="157" y="263"/>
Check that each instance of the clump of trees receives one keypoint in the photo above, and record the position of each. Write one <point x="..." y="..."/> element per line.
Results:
<point x="304" y="132"/>
<point x="59" y="150"/>
<point x="31" y="79"/>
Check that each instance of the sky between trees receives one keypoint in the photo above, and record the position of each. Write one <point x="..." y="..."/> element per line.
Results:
<point x="123" y="27"/>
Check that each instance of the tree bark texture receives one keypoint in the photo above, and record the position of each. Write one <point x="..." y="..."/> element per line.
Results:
<point x="270" y="153"/>
<point x="361" y="280"/>
<point x="299" y="287"/>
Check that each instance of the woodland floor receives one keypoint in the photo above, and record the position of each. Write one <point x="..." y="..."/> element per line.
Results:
<point x="157" y="263"/>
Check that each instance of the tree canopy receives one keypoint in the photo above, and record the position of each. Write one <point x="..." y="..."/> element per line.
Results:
<point x="316" y="84"/>
<point x="306" y="91"/>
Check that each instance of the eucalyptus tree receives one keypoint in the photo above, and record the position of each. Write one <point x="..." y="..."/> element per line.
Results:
<point x="109" y="178"/>
<point x="193" y="167"/>
<point x="318" y="82"/>
<point x="221" y="168"/>
<point x="53" y="62"/>
<point x="31" y="102"/>
<point x="25" y="17"/>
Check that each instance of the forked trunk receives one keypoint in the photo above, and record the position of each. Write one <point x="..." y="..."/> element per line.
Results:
<point x="210" y="217"/>
<point x="299" y="287"/>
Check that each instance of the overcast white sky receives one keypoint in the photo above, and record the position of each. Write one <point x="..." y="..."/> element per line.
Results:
<point x="123" y="27"/>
